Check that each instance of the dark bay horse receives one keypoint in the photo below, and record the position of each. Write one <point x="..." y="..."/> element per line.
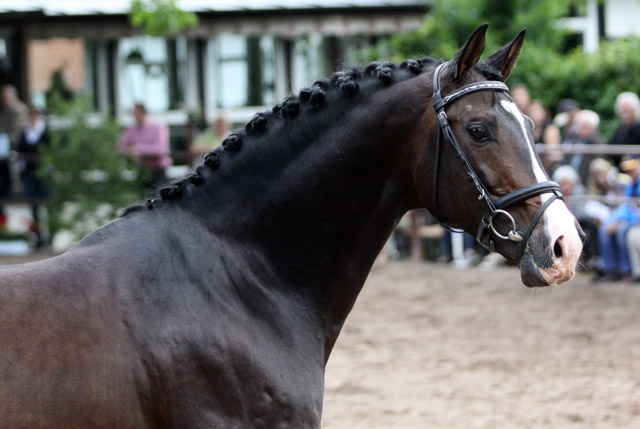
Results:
<point x="218" y="304"/>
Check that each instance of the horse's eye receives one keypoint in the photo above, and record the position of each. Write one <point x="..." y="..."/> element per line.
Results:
<point x="479" y="133"/>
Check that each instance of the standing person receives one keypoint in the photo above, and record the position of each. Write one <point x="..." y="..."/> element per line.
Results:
<point x="32" y="138"/>
<point x="13" y="119"/>
<point x="147" y="143"/>
<point x="628" y="110"/>
<point x="612" y="234"/>
<point x="14" y="114"/>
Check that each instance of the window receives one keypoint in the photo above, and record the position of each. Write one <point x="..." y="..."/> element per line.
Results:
<point x="244" y="71"/>
<point x="307" y="66"/>
<point x="232" y="71"/>
<point x="152" y="71"/>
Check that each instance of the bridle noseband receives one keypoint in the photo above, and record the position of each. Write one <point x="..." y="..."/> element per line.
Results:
<point x="493" y="209"/>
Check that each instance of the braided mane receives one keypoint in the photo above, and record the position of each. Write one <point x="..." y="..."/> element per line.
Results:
<point x="343" y="86"/>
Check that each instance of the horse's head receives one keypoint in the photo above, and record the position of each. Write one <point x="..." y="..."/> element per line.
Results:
<point x="497" y="188"/>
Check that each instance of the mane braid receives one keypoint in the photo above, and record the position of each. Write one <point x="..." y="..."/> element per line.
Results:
<point x="290" y="107"/>
<point x="349" y="82"/>
<point x="173" y="191"/>
<point x="195" y="177"/>
<point x="233" y="141"/>
<point x="212" y="160"/>
<point x="317" y="96"/>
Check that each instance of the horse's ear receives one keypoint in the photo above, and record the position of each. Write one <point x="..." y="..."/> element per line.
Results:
<point x="469" y="55"/>
<point x="505" y="59"/>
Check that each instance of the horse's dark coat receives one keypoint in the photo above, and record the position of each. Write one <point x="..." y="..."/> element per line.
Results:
<point x="218" y="305"/>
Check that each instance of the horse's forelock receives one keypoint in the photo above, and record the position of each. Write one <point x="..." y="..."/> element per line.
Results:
<point x="489" y="71"/>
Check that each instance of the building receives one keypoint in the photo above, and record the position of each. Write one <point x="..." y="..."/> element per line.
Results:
<point x="241" y="58"/>
<point x="604" y="19"/>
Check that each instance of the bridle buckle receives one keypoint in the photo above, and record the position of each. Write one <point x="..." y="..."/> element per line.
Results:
<point x="513" y="235"/>
<point x="443" y="120"/>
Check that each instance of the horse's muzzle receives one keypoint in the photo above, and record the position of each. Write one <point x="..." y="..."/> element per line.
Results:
<point x="552" y="260"/>
<point x="530" y="273"/>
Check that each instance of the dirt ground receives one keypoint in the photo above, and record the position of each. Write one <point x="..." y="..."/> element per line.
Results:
<point x="431" y="346"/>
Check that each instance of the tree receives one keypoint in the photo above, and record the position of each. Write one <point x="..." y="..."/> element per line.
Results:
<point x="450" y="22"/>
<point x="546" y="66"/>
<point x="160" y="17"/>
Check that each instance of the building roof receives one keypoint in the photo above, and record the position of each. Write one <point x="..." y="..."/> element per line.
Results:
<point x="102" y="7"/>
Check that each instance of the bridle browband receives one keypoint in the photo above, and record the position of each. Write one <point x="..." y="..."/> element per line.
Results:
<point x="493" y="208"/>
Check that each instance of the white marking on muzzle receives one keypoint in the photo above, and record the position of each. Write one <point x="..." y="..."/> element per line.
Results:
<point x="558" y="219"/>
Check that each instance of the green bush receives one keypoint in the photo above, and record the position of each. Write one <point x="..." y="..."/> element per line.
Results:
<point x="449" y="23"/>
<point x="545" y="66"/>
<point x="594" y="80"/>
<point x="160" y="17"/>
<point x="90" y="181"/>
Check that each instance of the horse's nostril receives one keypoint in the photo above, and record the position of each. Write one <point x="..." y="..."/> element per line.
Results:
<point x="557" y="248"/>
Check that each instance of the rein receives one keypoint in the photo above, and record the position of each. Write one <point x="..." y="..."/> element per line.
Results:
<point x="493" y="209"/>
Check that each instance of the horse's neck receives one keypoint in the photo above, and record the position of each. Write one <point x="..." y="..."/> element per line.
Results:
<point x="322" y="216"/>
<point x="330" y="205"/>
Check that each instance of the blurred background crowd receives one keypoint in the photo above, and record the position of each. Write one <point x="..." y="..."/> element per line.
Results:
<point x="599" y="177"/>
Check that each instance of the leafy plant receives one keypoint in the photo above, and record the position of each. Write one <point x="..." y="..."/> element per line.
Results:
<point x="545" y="66"/>
<point x="90" y="180"/>
<point x="160" y="17"/>
<point x="594" y="80"/>
<point x="450" y="22"/>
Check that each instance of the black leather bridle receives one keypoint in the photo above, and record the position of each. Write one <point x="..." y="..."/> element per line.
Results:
<point x="493" y="208"/>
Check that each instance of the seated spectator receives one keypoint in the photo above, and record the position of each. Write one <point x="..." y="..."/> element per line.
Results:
<point x="566" y="113"/>
<point x="614" y="258"/>
<point x="628" y="110"/>
<point x="633" y="247"/>
<point x="520" y="94"/>
<point x="599" y="180"/>
<point x="31" y="140"/>
<point x="545" y="131"/>
<point x="210" y="138"/>
<point x="586" y="133"/>
<point x="147" y="142"/>
<point x="569" y="181"/>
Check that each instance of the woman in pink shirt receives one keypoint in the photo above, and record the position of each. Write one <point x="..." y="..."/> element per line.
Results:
<point x="147" y="142"/>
